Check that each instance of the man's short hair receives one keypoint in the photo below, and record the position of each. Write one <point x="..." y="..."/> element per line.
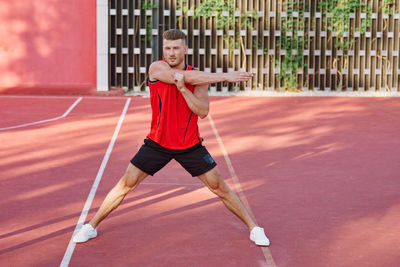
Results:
<point x="174" y="34"/>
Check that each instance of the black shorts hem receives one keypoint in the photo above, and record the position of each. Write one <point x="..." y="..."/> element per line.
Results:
<point x="203" y="171"/>
<point x="141" y="168"/>
<point x="151" y="158"/>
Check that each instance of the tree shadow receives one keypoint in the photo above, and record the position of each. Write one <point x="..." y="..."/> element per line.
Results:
<point x="317" y="165"/>
<point x="308" y="167"/>
<point x="117" y="213"/>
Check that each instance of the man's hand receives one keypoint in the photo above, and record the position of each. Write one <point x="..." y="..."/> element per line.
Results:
<point x="179" y="80"/>
<point x="238" y="76"/>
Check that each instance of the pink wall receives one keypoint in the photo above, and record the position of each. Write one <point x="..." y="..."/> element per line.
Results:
<point x="47" y="44"/>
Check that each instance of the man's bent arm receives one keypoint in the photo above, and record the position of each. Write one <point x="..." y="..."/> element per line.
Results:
<point x="161" y="71"/>
<point x="198" y="101"/>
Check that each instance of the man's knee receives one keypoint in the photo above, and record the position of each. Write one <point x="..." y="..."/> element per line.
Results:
<point x="131" y="178"/>
<point x="217" y="185"/>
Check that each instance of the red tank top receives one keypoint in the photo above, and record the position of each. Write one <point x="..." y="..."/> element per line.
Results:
<point x="173" y="124"/>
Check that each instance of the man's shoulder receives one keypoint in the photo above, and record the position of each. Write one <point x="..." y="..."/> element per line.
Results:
<point x="189" y="67"/>
<point x="158" y="62"/>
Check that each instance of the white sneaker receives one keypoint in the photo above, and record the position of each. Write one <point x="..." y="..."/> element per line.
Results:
<point x="258" y="236"/>
<point x="84" y="234"/>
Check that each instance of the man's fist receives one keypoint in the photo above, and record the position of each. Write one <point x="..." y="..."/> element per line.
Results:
<point x="179" y="80"/>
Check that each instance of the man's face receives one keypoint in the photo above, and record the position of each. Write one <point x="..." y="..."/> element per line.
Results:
<point x="174" y="51"/>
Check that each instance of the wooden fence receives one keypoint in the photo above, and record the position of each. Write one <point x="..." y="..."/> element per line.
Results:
<point x="287" y="44"/>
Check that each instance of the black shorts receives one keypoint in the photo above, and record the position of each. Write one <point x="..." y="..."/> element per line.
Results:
<point x="152" y="157"/>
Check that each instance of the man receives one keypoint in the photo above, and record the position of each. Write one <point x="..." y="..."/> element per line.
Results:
<point x="178" y="97"/>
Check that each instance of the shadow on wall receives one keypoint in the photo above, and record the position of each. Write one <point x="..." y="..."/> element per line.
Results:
<point x="47" y="44"/>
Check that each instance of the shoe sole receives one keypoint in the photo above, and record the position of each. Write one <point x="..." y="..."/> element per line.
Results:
<point x="79" y="241"/>
<point x="263" y="245"/>
<point x="260" y="244"/>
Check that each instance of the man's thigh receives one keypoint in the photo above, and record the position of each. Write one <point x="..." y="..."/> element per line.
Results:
<point x="150" y="160"/>
<point x="196" y="162"/>
<point x="133" y="176"/>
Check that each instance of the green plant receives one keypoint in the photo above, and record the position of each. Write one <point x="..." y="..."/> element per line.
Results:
<point x="224" y="12"/>
<point x="338" y="22"/>
<point x="388" y="7"/>
<point x="181" y="5"/>
<point x="339" y="19"/>
<point x="292" y="43"/>
<point x="148" y="5"/>
<point x="217" y="7"/>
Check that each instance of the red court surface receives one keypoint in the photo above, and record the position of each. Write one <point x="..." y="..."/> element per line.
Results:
<point x="320" y="174"/>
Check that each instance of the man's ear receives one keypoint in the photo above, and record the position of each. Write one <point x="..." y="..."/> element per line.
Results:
<point x="186" y="49"/>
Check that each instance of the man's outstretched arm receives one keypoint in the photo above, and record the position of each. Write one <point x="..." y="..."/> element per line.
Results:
<point x="161" y="71"/>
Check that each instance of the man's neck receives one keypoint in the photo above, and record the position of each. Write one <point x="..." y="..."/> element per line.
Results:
<point x="181" y="66"/>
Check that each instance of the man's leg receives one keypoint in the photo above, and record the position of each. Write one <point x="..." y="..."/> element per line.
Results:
<point x="212" y="179"/>
<point x="129" y="181"/>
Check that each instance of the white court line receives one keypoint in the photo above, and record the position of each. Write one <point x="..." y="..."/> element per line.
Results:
<point x="71" y="245"/>
<point x="44" y="121"/>
<point x="239" y="190"/>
